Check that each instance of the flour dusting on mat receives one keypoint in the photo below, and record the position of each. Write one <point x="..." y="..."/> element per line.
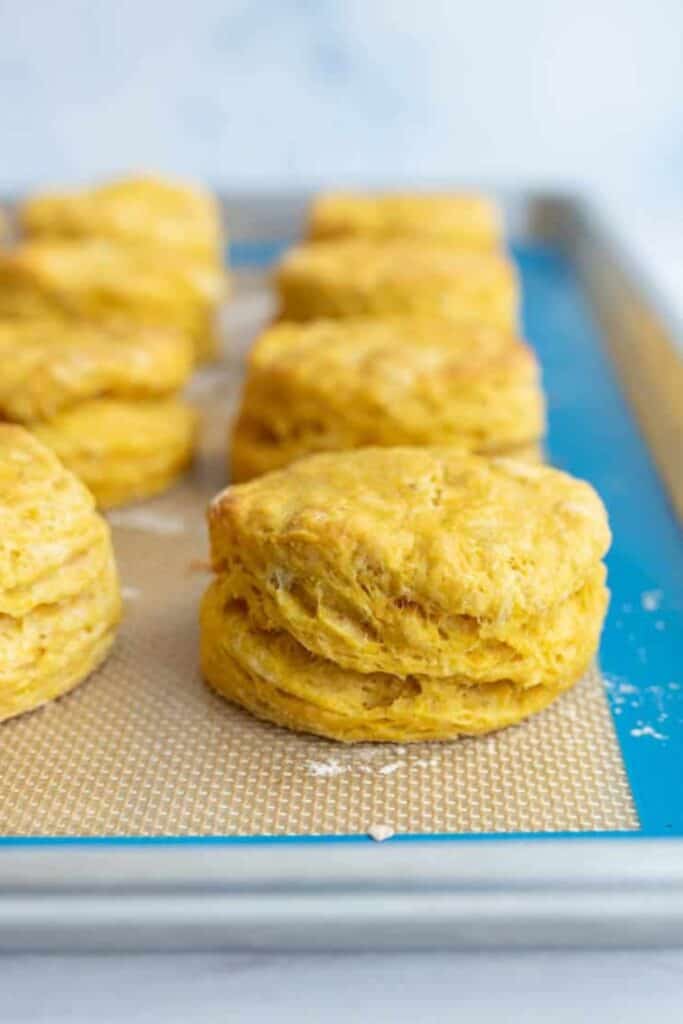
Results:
<point x="147" y="520"/>
<point x="325" y="769"/>
<point x="648" y="730"/>
<point x="651" y="600"/>
<point x="380" y="832"/>
<point x="130" y="593"/>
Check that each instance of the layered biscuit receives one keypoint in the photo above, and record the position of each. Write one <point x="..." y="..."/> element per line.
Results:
<point x="330" y="385"/>
<point x="142" y="211"/>
<point x="108" y="402"/>
<point x="114" y="286"/>
<point x="464" y="220"/>
<point x="403" y="593"/>
<point x="123" y="450"/>
<point x="350" y="278"/>
<point x="59" y="593"/>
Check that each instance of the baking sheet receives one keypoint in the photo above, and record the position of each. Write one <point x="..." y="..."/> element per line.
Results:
<point x="145" y="749"/>
<point x="594" y="322"/>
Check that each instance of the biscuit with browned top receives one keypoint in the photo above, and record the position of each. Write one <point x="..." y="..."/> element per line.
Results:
<point x="139" y="210"/>
<point x="456" y="594"/>
<point x="465" y="220"/>
<point x="112" y="285"/>
<point x="331" y="385"/>
<point x="364" y="278"/>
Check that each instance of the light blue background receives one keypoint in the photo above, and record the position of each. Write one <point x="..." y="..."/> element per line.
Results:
<point x="280" y="92"/>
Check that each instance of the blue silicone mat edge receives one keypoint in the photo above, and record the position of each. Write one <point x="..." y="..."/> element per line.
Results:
<point x="594" y="435"/>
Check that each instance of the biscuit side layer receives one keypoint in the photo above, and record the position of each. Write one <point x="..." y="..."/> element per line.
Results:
<point x="278" y="680"/>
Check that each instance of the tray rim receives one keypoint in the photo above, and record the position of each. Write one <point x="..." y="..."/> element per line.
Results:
<point x="105" y="882"/>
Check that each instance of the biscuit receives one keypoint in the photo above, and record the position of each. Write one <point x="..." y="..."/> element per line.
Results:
<point x="467" y="221"/>
<point x="145" y="211"/>
<point x="59" y="595"/>
<point x="331" y="385"/>
<point x="403" y="593"/>
<point x="362" y="278"/>
<point x="123" y="450"/>
<point x="47" y="366"/>
<point x="112" y="285"/>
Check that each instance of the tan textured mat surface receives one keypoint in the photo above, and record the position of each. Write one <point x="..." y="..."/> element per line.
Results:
<point x="144" y="748"/>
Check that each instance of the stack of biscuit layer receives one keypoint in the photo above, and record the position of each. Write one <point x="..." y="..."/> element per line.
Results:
<point x="106" y="402"/>
<point x="403" y="594"/>
<point x="59" y="593"/>
<point x="466" y="221"/>
<point x="399" y="327"/>
<point x="365" y="277"/>
<point x="137" y="251"/>
<point x="330" y="385"/>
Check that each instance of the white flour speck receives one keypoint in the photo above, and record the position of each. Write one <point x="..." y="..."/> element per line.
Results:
<point x="427" y="762"/>
<point x="325" y="769"/>
<point x="130" y="593"/>
<point x="648" y="730"/>
<point x="146" y="520"/>
<point x="651" y="600"/>
<point x="380" y="832"/>
<point x="389" y="769"/>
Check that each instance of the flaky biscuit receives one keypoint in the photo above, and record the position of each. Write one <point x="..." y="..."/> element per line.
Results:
<point x="59" y="593"/>
<point x="277" y="679"/>
<point x="52" y="648"/>
<point x="360" y="278"/>
<point x="406" y="560"/>
<point x="47" y="519"/>
<point x="403" y="593"/>
<point x="331" y="385"/>
<point x="461" y="219"/>
<point x="47" y="366"/>
<point x="123" y="450"/>
<point x="114" y="285"/>
<point x="142" y="210"/>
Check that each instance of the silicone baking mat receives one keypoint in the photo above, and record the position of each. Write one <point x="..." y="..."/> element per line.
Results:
<point x="144" y="749"/>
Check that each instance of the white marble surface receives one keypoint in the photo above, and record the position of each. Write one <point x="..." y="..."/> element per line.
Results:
<point x="524" y="988"/>
<point x="285" y="92"/>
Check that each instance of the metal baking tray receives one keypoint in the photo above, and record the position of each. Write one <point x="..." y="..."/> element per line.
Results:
<point x="590" y="853"/>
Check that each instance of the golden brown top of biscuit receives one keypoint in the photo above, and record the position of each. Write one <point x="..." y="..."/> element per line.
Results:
<point x="47" y="366"/>
<point x="47" y="516"/>
<point x="400" y="263"/>
<point x="462" y="219"/>
<point x="94" y="277"/>
<point x="138" y="210"/>
<point x="363" y="353"/>
<point x="421" y="526"/>
<point x="328" y="385"/>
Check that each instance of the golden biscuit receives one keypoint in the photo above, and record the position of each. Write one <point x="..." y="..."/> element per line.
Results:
<point x="112" y="285"/>
<point x="397" y="580"/>
<point x="278" y="680"/>
<point x="123" y="450"/>
<point x="331" y="385"/>
<point x="59" y="594"/>
<point x="138" y="210"/>
<point x="468" y="221"/>
<point x="47" y="366"/>
<point x="361" y="278"/>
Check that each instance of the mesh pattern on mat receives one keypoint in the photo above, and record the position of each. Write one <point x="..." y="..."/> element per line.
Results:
<point x="144" y="748"/>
